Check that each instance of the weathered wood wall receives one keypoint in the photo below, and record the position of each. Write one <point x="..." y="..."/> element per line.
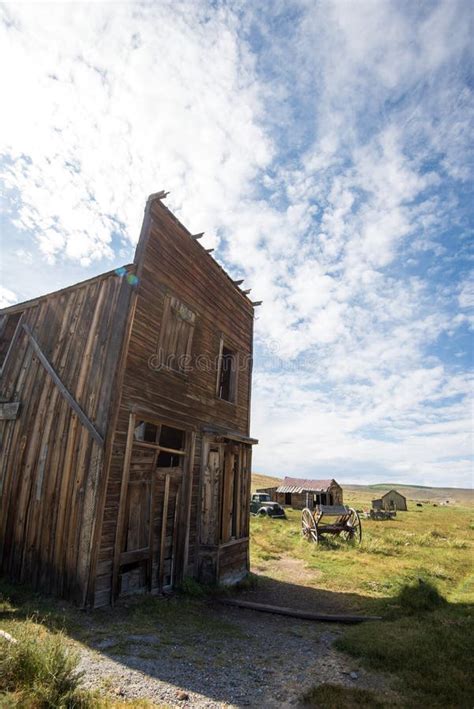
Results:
<point x="50" y="464"/>
<point x="170" y="264"/>
<point x="393" y="500"/>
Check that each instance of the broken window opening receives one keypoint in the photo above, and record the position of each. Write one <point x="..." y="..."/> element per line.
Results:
<point x="227" y="375"/>
<point x="146" y="432"/>
<point x="171" y="437"/>
<point x="170" y="442"/>
<point x="169" y="460"/>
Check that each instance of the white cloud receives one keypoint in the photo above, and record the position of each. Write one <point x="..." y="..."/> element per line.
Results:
<point x="7" y="297"/>
<point x="122" y="101"/>
<point x="325" y="162"/>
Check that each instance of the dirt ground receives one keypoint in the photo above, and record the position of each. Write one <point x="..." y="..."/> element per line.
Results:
<point x="227" y="656"/>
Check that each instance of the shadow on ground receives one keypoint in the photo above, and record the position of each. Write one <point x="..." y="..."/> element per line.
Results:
<point x="152" y="647"/>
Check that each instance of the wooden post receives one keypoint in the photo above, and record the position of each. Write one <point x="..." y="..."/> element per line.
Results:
<point x="164" y="524"/>
<point x="122" y="506"/>
<point x="174" y="549"/>
<point x="189" y="496"/>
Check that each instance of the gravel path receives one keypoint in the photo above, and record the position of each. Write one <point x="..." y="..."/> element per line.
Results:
<point x="246" y="659"/>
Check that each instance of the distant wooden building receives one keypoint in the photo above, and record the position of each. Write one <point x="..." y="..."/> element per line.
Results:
<point x="392" y="500"/>
<point x="124" y="425"/>
<point x="297" y="493"/>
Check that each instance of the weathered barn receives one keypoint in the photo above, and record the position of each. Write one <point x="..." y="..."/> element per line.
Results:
<point x="297" y="493"/>
<point x="392" y="500"/>
<point x="124" y="424"/>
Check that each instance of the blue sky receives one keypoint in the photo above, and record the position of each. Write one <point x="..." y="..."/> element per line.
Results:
<point x="326" y="150"/>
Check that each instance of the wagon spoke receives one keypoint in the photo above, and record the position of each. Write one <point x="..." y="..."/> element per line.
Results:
<point x="308" y="526"/>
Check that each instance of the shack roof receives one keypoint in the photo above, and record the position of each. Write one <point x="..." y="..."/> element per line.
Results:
<point x="302" y="485"/>
<point x="396" y="493"/>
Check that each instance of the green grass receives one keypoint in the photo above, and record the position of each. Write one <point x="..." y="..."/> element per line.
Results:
<point x="416" y="571"/>
<point x="55" y="630"/>
<point x="434" y="543"/>
<point x="431" y="654"/>
<point x="335" y="696"/>
<point x="39" y="669"/>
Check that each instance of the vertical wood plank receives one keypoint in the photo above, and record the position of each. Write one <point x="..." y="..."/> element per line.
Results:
<point x="164" y="524"/>
<point x="174" y="545"/>
<point x="122" y="506"/>
<point x="189" y="473"/>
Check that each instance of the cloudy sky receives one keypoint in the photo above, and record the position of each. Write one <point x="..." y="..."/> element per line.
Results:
<point x="326" y="150"/>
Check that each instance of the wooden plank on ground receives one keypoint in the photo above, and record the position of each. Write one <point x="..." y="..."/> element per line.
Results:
<point x="295" y="613"/>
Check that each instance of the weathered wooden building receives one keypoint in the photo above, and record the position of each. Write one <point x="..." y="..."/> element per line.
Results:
<point x="124" y="424"/>
<point x="297" y="493"/>
<point x="392" y="500"/>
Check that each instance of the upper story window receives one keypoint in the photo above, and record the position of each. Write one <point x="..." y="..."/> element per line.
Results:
<point x="176" y="335"/>
<point x="227" y="374"/>
<point x="8" y="326"/>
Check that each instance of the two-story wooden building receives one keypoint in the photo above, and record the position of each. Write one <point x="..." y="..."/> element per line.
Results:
<point x="124" y="424"/>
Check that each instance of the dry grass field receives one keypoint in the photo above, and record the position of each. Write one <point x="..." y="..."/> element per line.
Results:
<point x="415" y="570"/>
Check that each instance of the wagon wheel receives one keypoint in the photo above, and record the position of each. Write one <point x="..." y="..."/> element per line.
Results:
<point x="353" y="531"/>
<point x="309" y="529"/>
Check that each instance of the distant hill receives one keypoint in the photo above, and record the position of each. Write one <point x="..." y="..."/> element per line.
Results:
<point x="412" y="492"/>
<point x="418" y="492"/>
<point x="264" y="481"/>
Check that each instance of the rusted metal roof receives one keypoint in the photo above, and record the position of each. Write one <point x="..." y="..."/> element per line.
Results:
<point x="299" y="485"/>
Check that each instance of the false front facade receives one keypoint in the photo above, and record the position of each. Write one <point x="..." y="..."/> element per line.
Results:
<point x="124" y="416"/>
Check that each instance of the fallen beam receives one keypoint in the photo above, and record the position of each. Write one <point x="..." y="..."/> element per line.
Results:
<point x="295" y="613"/>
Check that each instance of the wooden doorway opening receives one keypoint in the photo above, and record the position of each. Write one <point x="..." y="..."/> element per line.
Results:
<point x="151" y="509"/>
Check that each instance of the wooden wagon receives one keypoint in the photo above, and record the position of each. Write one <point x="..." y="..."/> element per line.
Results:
<point x="345" y="522"/>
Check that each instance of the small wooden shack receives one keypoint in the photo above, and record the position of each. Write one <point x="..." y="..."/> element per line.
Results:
<point x="392" y="500"/>
<point x="298" y="493"/>
<point x="124" y="425"/>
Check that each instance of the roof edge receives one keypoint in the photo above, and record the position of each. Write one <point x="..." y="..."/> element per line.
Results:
<point x="34" y="301"/>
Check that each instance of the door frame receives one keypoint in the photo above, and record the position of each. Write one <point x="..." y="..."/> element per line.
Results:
<point x="181" y="533"/>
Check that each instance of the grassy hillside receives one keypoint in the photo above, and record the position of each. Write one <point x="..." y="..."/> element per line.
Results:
<point x="418" y="493"/>
<point x="259" y="481"/>
<point x="366" y="493"/>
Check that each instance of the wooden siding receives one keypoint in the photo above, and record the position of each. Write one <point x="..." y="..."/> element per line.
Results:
<point x="80" y="503"/>
<point x="172" y="265"/>
<point x="393" y="500"/>
<point x="50" y="465"/>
